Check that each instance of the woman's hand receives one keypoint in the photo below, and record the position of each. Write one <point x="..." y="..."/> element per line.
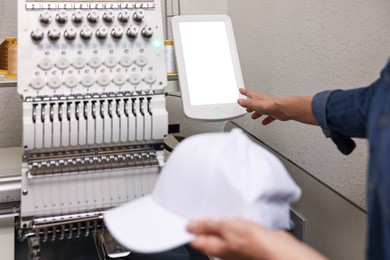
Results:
<point x="245" y="240"/>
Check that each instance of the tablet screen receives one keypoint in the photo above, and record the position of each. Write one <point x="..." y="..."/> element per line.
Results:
<point x="208" y="61"/>
<point x="208" y="67"/>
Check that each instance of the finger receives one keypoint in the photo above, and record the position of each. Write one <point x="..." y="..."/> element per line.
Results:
<point x="248" y="92"/>
<point x="246" y="103"/>
<point x="250" y="110"/>
<point x="209" y="244"/>
<point x="268" y="120"/>
<point x="207" y="226"/>
<point x="256" y="116"/>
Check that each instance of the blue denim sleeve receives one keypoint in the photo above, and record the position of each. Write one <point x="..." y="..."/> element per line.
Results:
<point x="319" y="104"/>
<point x="342" y="114"/>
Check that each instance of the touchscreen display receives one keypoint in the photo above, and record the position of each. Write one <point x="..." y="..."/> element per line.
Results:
<point x="208" y="63"/>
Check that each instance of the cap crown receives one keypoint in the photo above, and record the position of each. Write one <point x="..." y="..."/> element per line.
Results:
<point x="222" y="175"/>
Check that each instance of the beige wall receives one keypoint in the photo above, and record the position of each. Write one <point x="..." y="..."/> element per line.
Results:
<point x="300" y="48"/>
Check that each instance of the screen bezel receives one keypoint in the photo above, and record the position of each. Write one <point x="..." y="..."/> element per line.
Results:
<point x="209" y="112"/>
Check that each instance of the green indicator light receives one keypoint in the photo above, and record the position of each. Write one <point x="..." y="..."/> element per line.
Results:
<point x="157" y="43"/>
<point x="217" y="112"/>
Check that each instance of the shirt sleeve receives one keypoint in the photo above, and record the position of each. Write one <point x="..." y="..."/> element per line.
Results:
<point x="342" y="114"/>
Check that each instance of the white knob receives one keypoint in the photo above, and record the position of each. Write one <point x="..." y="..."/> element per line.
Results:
<point x="70" y="34"/>
<point x="110" y="62"/>
<point x="87" y="81"/>
<point x="117" y="33"/>
<point x="150" y="78"/>
<point x="125" y="61"/>
<point x="37" y="84"/>
<point x="103" y="80"/>
<point x="135" y="79"/>
<point x="77" y="17"/>
<point x="132" y="32"/>
<point x="124" y="16"/>
<point x="37" y="35"/>
<point x="71" y="82"/>
<point x="141" y="61"/>
<point x="139" y="16"/>
<point x="62" y="64"/>
<point x="101" y="33"/>
<point x="119" y="80"/>
<point x="108" y="17"/>
<point x="46" y="64"/>
<point x="45" y="17"/>
<point x="54" y="83"/>
<point x="62" y="17"/>
<point x="54" y="34"/>
<point x="94" y="62"/>
<point x="78" y="63"/>
<point x="86" y="33"/>
<point x="93" y="17"/>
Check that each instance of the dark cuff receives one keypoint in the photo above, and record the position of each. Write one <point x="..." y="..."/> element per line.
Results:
<point x="319" y="107"/>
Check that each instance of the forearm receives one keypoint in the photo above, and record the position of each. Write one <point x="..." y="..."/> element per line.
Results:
<point x="297" y="108"/>
<point x="284" y="246"/>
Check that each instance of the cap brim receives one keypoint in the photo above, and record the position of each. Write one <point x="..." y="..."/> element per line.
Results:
<point x="144" y="226"/>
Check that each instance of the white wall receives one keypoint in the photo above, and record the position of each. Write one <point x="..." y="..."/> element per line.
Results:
<point x="300" y="48"/>
<point x="8" y="18"/>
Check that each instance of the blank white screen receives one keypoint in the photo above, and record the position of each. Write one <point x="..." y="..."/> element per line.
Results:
<point x="209" y="66"/>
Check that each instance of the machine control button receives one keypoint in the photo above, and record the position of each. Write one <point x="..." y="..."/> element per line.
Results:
<point x="101" y="33"/>
<point x="108" y="16"/>
<point x="62" y="17"/>
<point x="103" y="80"/>
<point x="87" y="81"/>
<point x="141" y="61"/>
<point x="37" y="35"/>
<point x="117" y="33"/>
<point x="62" y="64"/>
<point x="54" y="34"/>
<point x="119" y="80"/>
<point x="126" y="61"/>
<point x="71" y="82"/>
<point x="139" y="16"/>
<point x="135" y="79"/>
<point x="150" y="78"/>
<point x="54" y="82"/>
<point x="86" y="33"/>
<point x="147" y="32"/>
<point x="110" y="62"/>
<point x="93" y="17"/>
<point x="124" y="16"/>
<point x="77" y="17"/>
<point x="133" y="32"/>
<point x="95" y="62"/>
<point x="37" y="83"/>
<point x="78" y="63"/>
<point x="46" y="64"/>
<point x="45" y="18"/>
<point x="70" y="34"/>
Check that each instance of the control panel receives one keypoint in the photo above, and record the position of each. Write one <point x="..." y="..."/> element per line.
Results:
<point x="86" y="48"/>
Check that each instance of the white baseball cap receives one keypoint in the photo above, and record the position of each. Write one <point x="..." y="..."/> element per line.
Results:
<point x="215" y="175"/>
